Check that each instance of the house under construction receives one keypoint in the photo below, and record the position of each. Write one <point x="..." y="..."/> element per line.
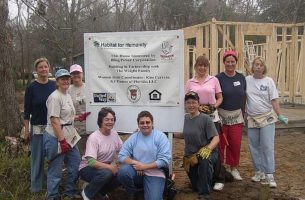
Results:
<point x="281" y="45"/>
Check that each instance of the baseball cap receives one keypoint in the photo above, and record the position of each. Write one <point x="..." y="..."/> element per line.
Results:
<point x="230" y="53"/>
<point x="61" y="73"/>
<point x="191" y="95"/>
<point x="76" y="68"/>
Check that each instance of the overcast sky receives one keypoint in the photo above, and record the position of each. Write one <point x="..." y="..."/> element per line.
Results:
<point x="13" y="10"/>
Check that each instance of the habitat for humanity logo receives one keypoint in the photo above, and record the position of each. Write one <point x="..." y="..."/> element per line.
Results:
<point x="166" y="49"/>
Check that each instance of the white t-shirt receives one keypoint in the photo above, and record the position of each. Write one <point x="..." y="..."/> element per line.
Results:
<point x="102" y="147"/>
<point x="59" y="105"/>
<point x="260" y="92"/>
<point x="78" y="98"/>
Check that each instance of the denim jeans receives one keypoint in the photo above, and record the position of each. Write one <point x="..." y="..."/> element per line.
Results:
<point x="153" y="186"/>
<point x="201" y="175"/>
<point x="261" y="143"/>
<point x="100" y="181"/>
<point x="71" y="160"/>
<point x="37" y="163"/>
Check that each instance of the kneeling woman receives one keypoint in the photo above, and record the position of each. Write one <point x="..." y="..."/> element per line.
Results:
<point x="201" y="139"/>
<point x="97" y="165"/>
<point x="143" y="155"/>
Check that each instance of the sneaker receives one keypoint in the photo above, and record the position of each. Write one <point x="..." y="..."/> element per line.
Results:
<point x="218" y="186"/>
<point x="271" y="181"/>
<point x="236" y="175"/>
<point x="84" y="195"/>
<point x="258" y="176"/>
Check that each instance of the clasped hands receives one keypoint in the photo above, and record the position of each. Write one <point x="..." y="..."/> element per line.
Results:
<point x="139" y="167"/>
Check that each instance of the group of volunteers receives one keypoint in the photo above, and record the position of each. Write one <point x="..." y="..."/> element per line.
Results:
<point x="217" y="108"/>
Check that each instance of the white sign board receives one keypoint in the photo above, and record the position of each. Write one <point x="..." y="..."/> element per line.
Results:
<point x="135" y="71"/>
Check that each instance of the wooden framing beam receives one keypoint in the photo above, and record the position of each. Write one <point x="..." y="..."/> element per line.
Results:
<point x="225" y="37"/>
<point x="214" y="48"/>
<point x="284" y="53"/>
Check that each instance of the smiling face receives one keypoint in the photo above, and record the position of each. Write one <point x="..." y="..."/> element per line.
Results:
<point x="192" y="106"/>
<point x="107" y="123"/>
<point x="77" y="78"/>
<point x="63" y="83"/>
<point x="145" y="125"/>
<point x="42" y="69"/>
<point x="230" y="64"/>
<point x="201" y="69"/>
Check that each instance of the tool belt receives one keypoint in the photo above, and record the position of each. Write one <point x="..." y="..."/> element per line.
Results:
<point x="190" y="161"/>
<point x="38" y="129"/>
<point x="262" y="120"/>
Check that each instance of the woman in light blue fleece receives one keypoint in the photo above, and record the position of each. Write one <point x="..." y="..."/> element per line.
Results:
<point x="144" y="154"/>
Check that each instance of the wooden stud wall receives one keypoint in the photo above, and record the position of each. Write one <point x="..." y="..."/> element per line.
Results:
<point x="283" y="51"/>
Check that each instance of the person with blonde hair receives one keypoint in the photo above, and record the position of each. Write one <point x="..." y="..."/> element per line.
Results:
<point x="35" y="113"/>
<point x="263" y="111"/>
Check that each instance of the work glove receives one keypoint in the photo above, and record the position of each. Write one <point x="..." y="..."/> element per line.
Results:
<point x="207" y="109"/>
<point x="65" y="146"/>
<point x="204" y="152"/>
<point x="83" y="116"/>
<point x="283" y="119"/>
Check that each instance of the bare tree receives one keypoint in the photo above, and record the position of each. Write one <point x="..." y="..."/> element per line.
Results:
<point x="10" y="119"/>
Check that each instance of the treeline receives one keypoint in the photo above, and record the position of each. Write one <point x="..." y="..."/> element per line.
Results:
<point x="54" y="28"/>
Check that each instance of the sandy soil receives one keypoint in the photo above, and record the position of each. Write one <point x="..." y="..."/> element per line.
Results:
<point x="290" y="162"/>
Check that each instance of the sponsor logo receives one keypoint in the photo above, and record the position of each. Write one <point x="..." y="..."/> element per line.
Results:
<point x="155" y="95"/>
<point x="166" y="49"/>
<point x="133" y="93"/>
<point x="104" y="97"/>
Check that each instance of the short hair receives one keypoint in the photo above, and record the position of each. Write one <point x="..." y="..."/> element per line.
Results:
<point x="191" y="95"/>
<point x="145" y="113"/>
<point x="39" y="60"/>
<point x="103" y="113"/>
<point x="263" y="63"/>
<point x="202" y="60"/>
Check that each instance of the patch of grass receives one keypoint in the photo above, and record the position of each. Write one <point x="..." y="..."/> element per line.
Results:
<point x="15" y="178"/>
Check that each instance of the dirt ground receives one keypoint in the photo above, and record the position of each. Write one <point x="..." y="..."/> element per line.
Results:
<point x="290" y="162"/>
<point x="290" y="171"/>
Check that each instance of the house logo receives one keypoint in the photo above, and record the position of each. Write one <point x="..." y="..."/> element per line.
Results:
<point x="166" y="51"/>
<point x="133" y="93"/>
<point x="155" y="95"/>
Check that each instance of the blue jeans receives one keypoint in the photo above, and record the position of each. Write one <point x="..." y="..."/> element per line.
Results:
<point x="71" y="160"/>
<point x="37" y="162"/>
<point x="261" y="143"/>
<point x="201" y="175"/>
<point x="100" y="181"/>
<point x="153" y="186"/>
